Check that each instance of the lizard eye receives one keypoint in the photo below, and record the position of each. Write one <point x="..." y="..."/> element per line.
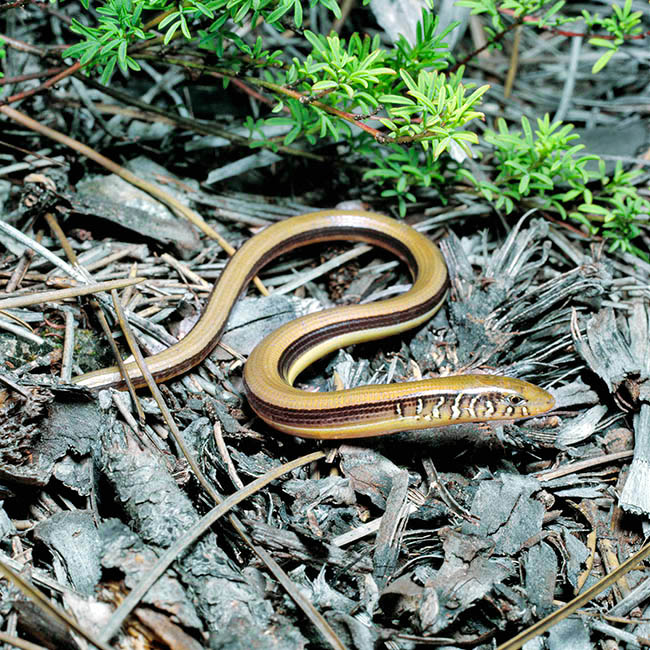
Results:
<point x="515" y="400"/>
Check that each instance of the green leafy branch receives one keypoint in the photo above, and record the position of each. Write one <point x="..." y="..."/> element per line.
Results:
<point x="347" y="70"/>
<point x="401" y="115"/>
<point x="397" y="171"/>
<point x="433" y="111"/>
<point x="105" y="46"/>
<point x="120" y="25"/>
<point x="545" y="168"/>
<point x="621" y="25"/>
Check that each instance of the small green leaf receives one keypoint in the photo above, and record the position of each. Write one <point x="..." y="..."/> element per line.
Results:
<point x="324" y="85"/>
<point x="185" y="28"/>
<point x="121" y="56"/>
<point x="423" y="99"/>
<point x="396" y="99"/>
<point x="592" y="208"/>
<point x="170" y="32"/>
<point x="333" y="6"/>
<point x="168" y="19"/>
<point x="523" y="184"/>
<point x="279" y="11"/>
<point x="441" y="146"/>
<point x="542" y="178"/>
<point x="516" y="165"/>
<point x="108" y="71"/>
<point x="408" y="80"/>
<point x="528" y="132"/>
<point x="602" y="61"/>
<point x="242" y="11"/>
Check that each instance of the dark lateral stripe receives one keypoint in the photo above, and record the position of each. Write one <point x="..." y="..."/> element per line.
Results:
<point x="328" y="416"/>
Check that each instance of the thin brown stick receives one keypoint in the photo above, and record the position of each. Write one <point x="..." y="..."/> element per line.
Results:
<point x="44" y="86"/>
